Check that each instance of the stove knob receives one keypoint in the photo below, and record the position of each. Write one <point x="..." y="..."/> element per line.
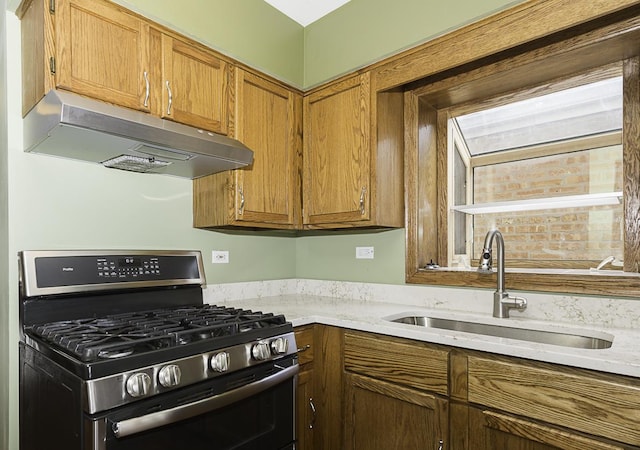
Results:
<point x="279" y="346"/>
<point x="220" y="362"/>
<point x="138" y="384"/>
<point x="169" y="376"/>
<point x="261" y="351"/>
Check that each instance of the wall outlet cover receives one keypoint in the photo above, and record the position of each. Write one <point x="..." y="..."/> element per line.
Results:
<point x="220" y="257"/>
<point x="364" y="252"/>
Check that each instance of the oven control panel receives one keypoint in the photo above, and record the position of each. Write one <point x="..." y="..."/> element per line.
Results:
<point x="82" y="270"/>
<point x="128" y="267"/>
<point x="55" y="272"/>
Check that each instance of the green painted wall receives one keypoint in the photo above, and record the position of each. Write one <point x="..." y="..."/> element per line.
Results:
<point x="333" y="257"/>
<point x="355" y="35"/>
<point x="364" y="31"/>
<point x="251" y="31"/>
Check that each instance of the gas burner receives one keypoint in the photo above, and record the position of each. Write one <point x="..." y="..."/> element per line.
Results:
<point x="122" y="335"/>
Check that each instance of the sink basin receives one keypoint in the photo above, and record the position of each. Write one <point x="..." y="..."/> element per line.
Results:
<point x="523" y="334"/>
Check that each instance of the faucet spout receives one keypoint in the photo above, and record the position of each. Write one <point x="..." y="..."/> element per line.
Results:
<point x="502" y="301"/>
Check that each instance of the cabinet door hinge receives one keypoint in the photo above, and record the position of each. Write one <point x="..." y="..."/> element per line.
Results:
<point x="52" y="65"/>
<point x="52" y="6"/>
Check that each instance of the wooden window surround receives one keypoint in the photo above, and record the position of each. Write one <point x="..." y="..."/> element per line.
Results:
<point x="589" y="52"/>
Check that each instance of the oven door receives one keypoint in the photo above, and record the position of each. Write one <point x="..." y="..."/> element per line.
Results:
<point x="249" y="411"/>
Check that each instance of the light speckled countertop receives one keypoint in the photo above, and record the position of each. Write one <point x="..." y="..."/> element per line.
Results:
<point x="366" y="315"/>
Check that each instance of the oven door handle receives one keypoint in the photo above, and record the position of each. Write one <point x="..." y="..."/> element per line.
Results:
<point x="135" y="425"/>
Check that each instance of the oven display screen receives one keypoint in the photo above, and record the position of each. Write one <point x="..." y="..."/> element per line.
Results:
<point x="85" y="270"/>
<point x="129" y="262"/>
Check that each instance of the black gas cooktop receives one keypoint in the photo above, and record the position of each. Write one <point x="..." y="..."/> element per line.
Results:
<point x="122" y="335"/>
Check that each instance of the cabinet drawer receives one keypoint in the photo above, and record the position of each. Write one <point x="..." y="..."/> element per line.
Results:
<point x="402" y="361"/>
<point x="597" y="404"/>
<point x="304" y="341"/>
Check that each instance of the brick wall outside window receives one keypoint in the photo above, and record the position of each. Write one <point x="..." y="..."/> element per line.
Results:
<point x="588" y="233"/>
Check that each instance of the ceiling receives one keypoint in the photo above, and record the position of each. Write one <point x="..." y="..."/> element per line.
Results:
<point x="306" y="11"/>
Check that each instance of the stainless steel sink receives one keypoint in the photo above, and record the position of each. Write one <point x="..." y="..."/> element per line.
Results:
<point x="522" y="334"/>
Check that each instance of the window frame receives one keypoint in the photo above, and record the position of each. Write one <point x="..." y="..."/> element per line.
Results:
<point x="549" y="66"/>
<point x="456" y="143"/>
<point x="507" y="156"/>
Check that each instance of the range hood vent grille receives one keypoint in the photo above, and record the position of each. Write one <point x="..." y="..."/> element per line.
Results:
<point x="135" y="163"/>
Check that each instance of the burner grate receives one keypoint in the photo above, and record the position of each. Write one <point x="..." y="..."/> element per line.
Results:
<point x="121" y="335"/>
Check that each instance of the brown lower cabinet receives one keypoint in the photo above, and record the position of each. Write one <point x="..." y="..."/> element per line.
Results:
<point x="490" y="430"/>
<point x="319" y="404"/>
<point x="305" y="410"/>
<point x="375" y="392"/>
<point x="305" y="407"/>
<point x="395" y="393"/>
<point x="381" y="416"/>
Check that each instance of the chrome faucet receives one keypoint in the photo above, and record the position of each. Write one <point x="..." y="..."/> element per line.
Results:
<point x="502" y="301"/>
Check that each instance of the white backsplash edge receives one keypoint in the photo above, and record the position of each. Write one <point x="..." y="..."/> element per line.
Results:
<point x="606" y="312"/>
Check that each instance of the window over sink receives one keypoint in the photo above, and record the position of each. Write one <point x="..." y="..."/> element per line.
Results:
<point x="542" y="145"/>
<point x="547" y="172"/>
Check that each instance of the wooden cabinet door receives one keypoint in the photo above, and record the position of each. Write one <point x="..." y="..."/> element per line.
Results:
<point x="495" y="431"/>
<point x="268" y="121"/>
<point x="384" y="416"/>
<point x="305" y="411"/>
<point x="337" y="152"/>
<point x="102" y="51"/>
<point x="195" y="86"/>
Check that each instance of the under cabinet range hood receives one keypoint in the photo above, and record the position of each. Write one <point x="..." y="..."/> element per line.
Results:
<point x="72" y="126"/>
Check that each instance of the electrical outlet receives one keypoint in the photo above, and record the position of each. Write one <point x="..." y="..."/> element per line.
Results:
<point x="220" y="257"/>
<point x="364" y="252"/>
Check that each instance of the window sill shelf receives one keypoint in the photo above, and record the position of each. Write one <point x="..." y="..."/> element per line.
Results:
<point x="567" y="201"/>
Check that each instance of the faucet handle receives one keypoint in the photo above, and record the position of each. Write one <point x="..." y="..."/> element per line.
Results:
<point x="503" y="303"/>
<point x="519" y="303"/>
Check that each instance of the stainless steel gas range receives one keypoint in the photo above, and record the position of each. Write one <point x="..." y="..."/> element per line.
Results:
<point x="118" y="351"/>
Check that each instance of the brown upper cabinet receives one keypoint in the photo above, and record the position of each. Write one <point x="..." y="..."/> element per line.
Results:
<point x="336" y="153"/>
<point x="267" y="194"/>
<point x="352" y="175"/>
<point x="99" y="49"/>
<point x="90" y="47"/>
<point x="195" y="84"/>
<point x="353" y="136"/>
<point x="349" y="179"/>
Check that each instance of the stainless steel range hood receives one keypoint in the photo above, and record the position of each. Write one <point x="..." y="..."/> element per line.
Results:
<point x="71" y="126"/>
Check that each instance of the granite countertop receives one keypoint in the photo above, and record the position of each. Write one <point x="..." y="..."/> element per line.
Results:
<point x="622" y="358"/>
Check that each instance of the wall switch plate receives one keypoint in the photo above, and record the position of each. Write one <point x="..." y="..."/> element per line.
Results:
<point x="364" y="252"/>
<point x="220" y="257"/>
